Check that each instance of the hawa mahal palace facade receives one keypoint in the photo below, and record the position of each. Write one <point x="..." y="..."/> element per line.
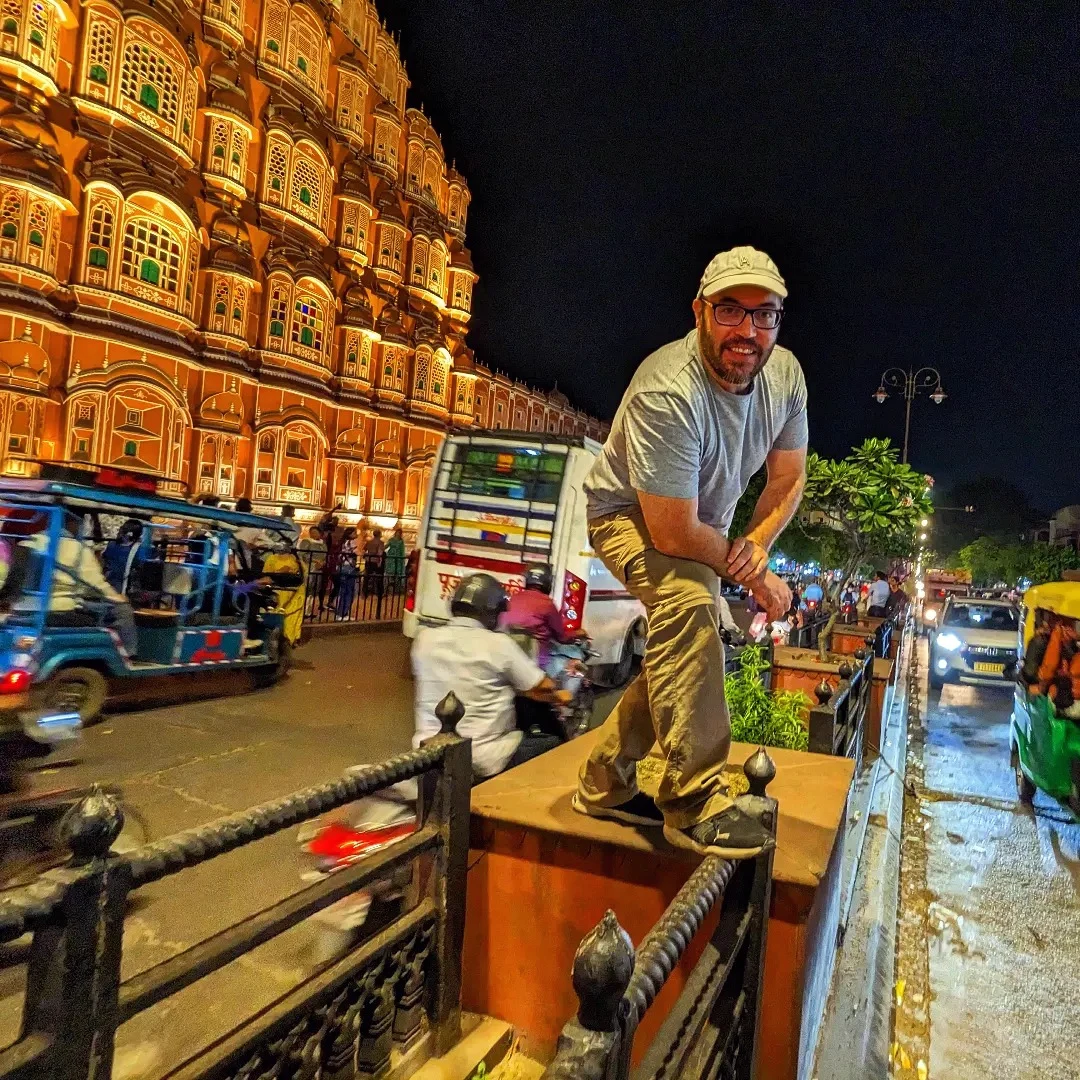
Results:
<point x="230" y="256"/>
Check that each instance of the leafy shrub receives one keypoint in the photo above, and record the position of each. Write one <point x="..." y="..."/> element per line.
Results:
<point x="761" y="717"/>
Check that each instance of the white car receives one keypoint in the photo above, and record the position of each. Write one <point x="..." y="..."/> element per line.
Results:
<point x="975" y="641"/>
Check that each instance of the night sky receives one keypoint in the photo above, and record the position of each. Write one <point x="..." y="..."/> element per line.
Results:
<point x="915" y="175"/>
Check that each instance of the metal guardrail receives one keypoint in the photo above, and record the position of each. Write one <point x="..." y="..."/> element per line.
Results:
<point x="838" y="719"/>
<point x="356" y="589"/>
<point x="400" y="983"/>
<point x="712" y="1030"/>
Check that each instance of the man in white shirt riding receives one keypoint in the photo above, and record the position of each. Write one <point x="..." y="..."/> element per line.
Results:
<point x="485" y="670"/>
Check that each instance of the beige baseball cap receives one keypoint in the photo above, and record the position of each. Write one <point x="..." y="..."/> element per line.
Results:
<point x="741" y="266"/>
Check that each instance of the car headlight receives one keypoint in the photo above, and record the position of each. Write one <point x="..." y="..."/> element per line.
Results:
<point x="949" y="641"/>
<point x="931" y="615"/>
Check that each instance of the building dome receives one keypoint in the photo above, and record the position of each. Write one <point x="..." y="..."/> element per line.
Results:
<point x="390" y="327"/>
<point x="230" y="245"/>
<point x="29" y="149"/>
<point x="357" y="307"/>
<point x="226" y="91"/>
<point x="390" y="210"/>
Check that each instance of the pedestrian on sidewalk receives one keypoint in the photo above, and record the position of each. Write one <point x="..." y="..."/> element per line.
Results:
<point x="878" y="596"/>
<point x="700" y="417"/>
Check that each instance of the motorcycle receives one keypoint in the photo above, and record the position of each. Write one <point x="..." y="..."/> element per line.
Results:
<point x="568" y="667"/>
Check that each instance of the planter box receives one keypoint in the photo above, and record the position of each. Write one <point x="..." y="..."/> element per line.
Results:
<point x="541" y="876"/>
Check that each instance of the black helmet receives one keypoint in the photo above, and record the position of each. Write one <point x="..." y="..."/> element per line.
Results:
<point x="538" y="577"/>
<point x="481" y="597"/>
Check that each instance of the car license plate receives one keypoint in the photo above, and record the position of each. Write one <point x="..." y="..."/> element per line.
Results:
<point x="990" y="669"/>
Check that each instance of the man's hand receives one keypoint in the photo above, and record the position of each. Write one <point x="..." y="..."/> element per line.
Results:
<point x="747" y="561"/>
<point x="773" y="595"/>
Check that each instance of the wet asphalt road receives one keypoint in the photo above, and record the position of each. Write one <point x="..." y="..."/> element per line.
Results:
<point x="348" y="700"/>
<point x="1000" y="902"/>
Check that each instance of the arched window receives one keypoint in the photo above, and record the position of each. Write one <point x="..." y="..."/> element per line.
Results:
<point x="9" y="230"/>
<point x="100" y="53"/>
<point x="277" y="167"/>
<point x="98" y="74"/>
<point x="219" y="151"/>
<point x="36" y="238"/>
<point x="278" y="312"/>
<point x="147" y="77"/>
<point x="151" y="253"/>
<point x="306" y="188"/>
<point x="307" y="329"/>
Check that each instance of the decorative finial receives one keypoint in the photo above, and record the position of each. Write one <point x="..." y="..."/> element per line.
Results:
<point x="823" y="691"/>
<point x="28" y="333"/>
<point x="449" y="712"/>
<point x="91" y="825"/>
<point x="844" y="670"/>
<point x="603" y="965"/>
<point x="760" y="770"/>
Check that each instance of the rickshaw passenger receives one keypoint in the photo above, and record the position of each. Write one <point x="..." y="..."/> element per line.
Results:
<point x="77" y="578"/>
<point x="1059" y="671"/>
<point x="120" y="554"/>
<point x="1036" y="651"/>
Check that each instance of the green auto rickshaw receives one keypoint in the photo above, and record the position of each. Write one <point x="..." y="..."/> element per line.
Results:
<point x="1045" y="745"/>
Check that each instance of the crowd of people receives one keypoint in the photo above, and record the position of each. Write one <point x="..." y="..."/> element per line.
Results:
<point x="345" y="563"/>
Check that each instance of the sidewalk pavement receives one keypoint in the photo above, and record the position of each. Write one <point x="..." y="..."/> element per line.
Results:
<point x="856" y="1032"/>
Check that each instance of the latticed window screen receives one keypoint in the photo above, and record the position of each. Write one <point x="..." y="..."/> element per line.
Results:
<point x="307" y="327"/>
<point x="274" y="29"/>
<point x="277" y="167"/>
<point x="221" y="297"/>
<point x="10" y="213"/>
<point x="144" y="67"/>
<point x="148" y="243"/>
<point x="420" y="257"/>
<point x="306" y="178"/>
<point x="279" y="310"/>
<point x="239" y="298"/>
<point x="422" y="372"/>
<point x="39" y="222"/>
<point x="219" y="140"/>
<point x="99" y="54"/>
<point x="238" y="155"/>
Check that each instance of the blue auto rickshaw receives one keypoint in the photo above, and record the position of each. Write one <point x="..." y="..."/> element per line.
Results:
<point x="188" y="600"/>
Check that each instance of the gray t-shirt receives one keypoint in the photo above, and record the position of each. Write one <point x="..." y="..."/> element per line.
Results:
<point x="678" y="434"/>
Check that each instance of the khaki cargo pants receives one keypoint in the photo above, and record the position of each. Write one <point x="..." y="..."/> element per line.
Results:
<point x="678" y="699"/>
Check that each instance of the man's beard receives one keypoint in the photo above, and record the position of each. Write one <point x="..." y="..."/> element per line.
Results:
<point x="726" y="367"/>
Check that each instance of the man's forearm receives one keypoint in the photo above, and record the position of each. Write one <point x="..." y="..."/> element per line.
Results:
<point x="775" y="507"/>
<point x="701" y="543"/>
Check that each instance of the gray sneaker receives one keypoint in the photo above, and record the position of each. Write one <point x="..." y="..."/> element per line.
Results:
<point x="731" y="834"/>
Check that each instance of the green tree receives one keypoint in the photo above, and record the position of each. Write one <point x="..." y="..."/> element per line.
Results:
<point x="871" y="500"/>
<point x="992" y="562"/>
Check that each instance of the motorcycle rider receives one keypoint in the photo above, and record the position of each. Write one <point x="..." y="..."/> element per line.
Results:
<point x="485" y="669"/>
<point x="532" y="611"/>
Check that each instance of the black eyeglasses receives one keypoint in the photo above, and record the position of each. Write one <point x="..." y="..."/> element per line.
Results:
<point x="728" y="314"/>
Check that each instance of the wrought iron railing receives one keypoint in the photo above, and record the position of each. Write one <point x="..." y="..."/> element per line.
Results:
<point x="354" y="589"/>
<point x="806" y="636"/>
<point x="838" y="719"/>
<point x="400" y="985"/>
<point x="711" y="1031"/>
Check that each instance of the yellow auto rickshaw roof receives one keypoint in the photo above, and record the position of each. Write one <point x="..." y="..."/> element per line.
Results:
<point x="1060" y="597"/>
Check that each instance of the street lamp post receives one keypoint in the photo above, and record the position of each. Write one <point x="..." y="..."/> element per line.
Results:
<point x="909" y="383"/>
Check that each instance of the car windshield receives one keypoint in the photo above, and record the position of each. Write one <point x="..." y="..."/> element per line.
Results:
<point x="982" y="616"/>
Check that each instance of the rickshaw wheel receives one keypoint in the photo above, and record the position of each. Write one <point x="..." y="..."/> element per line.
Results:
<point x="73" y="689"/>
<point x="271" y="673"/>
<point x="1025" y="789"/>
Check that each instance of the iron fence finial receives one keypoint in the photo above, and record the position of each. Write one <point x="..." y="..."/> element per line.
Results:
<point x="449" y="713"/>
<point x="845" y="670"/>
<point x="92" y="824"/>
<point x="603" y="965"/>
<point x="760" y="770"/>
<point x="823" y="691"/>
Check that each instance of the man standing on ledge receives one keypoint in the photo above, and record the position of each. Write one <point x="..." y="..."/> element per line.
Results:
<point x="699" y="418"/>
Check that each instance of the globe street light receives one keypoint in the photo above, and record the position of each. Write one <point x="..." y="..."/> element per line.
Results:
<point x="909" y="383"/>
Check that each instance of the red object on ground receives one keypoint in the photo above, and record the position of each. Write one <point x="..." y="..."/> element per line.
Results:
<point x="343" y="844"/>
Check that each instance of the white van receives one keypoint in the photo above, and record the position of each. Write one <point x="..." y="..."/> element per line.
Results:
<point x="501" y="501"/>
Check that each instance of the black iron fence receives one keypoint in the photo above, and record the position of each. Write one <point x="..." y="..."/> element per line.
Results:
<point x="356" y="588"/>
<point x="883" y="637"/>
<point x="838" y="719"/>
<point x="397" y="988"/>
<point x="806" y="636"/>
<point x="711" y="1032"/>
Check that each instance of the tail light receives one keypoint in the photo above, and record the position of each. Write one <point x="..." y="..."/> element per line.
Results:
<point x="15" y="682"/>
<point x="573" y="601"/>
